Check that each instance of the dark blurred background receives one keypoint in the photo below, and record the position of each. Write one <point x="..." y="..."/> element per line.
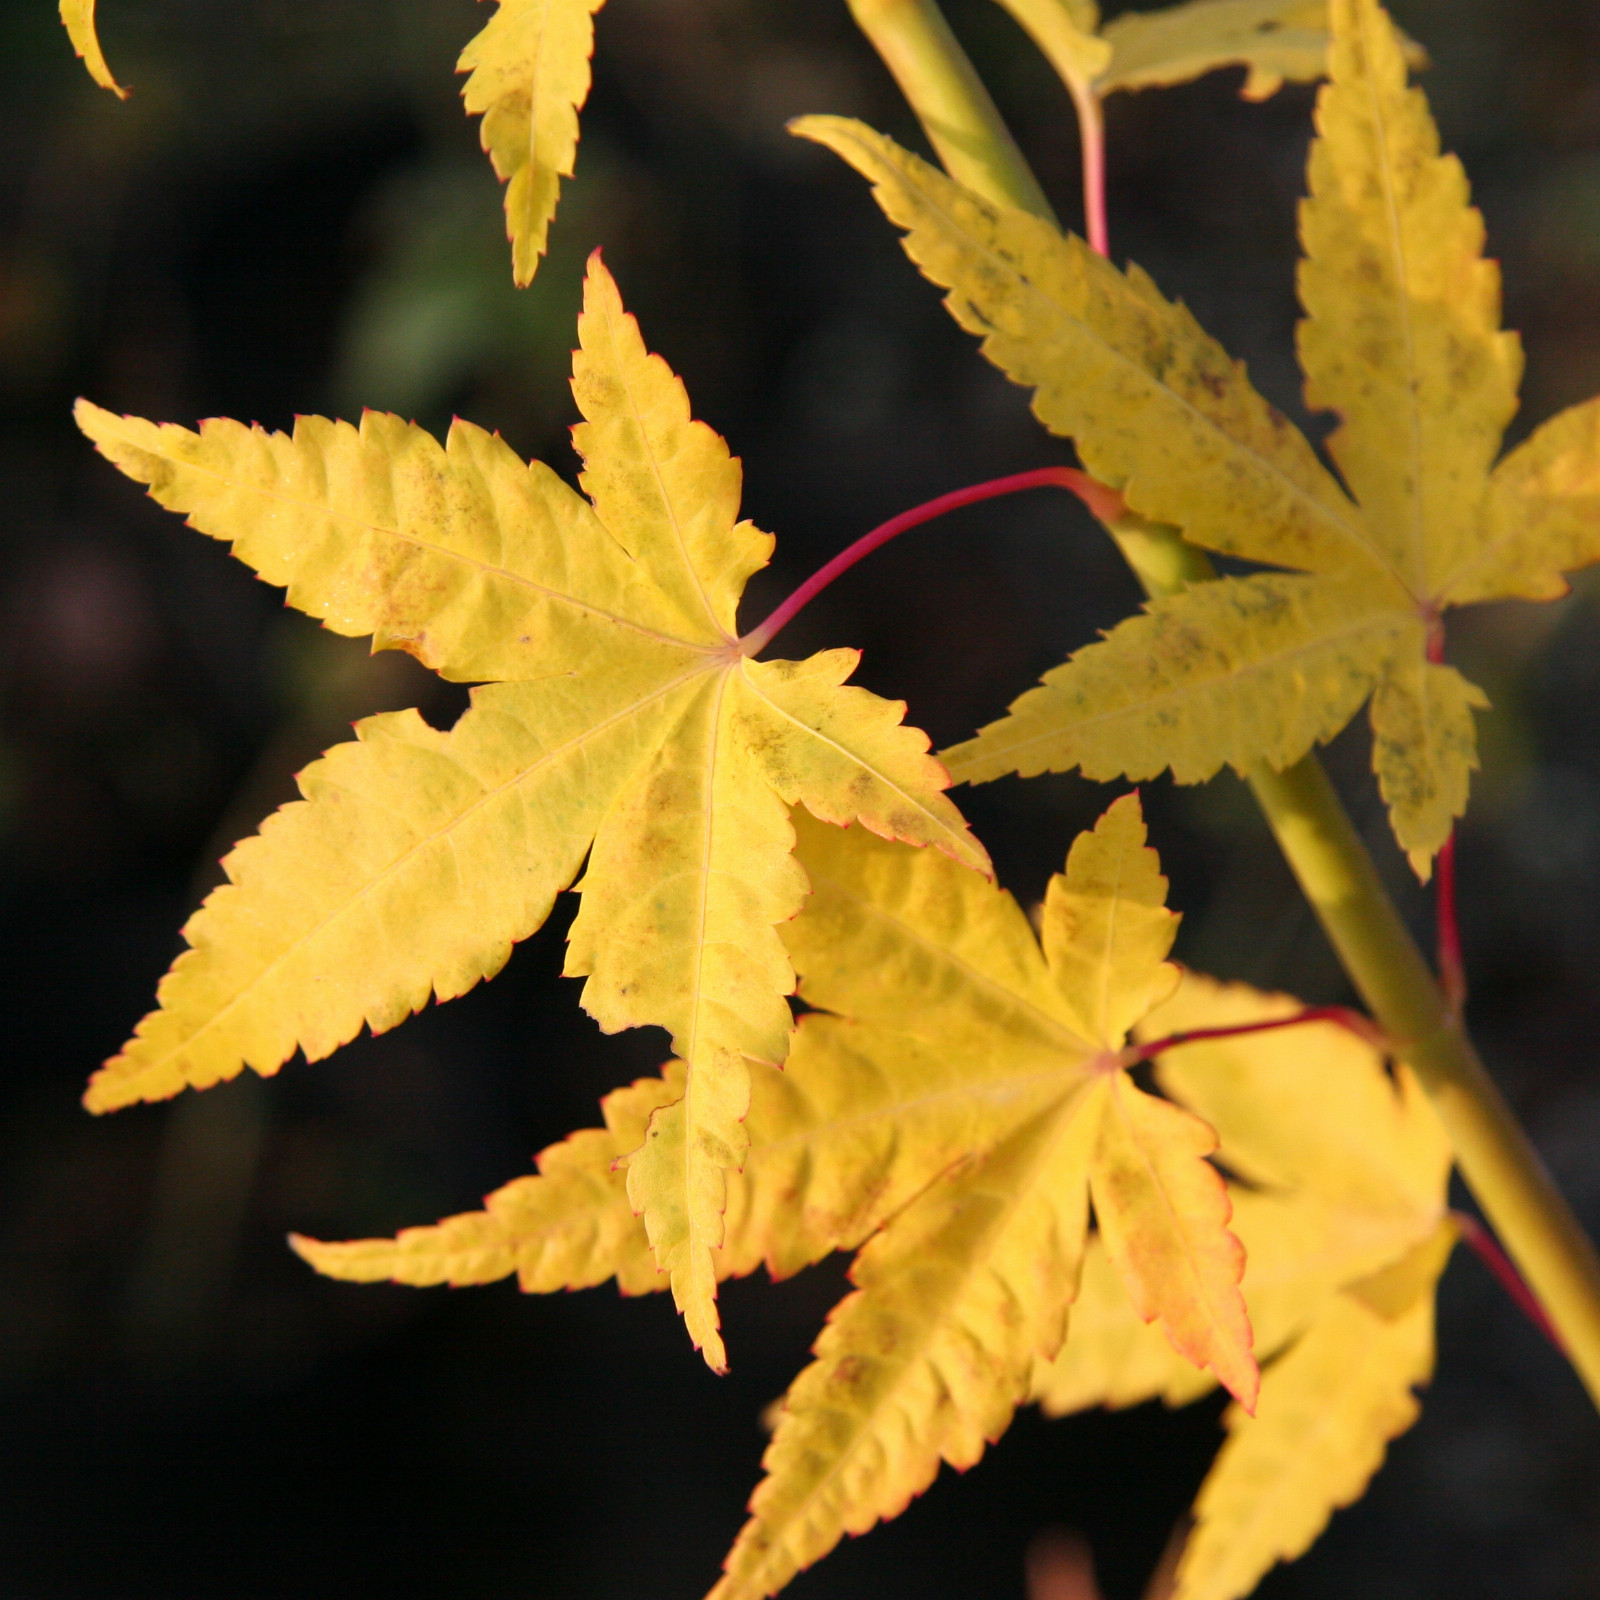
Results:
<point x="291" y="214"/>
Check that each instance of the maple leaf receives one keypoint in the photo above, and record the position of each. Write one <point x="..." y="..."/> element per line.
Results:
<point x="530" y="78"/>
<point x="1401" y="339"/>
<point x="1346" y="1231"/>
<point x="955" y="1104"/>
<point x="1341" y="1208"/>
<point x="626" y="723"/>
<point x="77" y="16"/>
<point x="969" y="1280"/>
<point x="1278" y="41"/>
<point x="569" y="1227"/>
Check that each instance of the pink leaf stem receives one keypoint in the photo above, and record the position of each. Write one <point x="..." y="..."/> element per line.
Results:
<point x="1487" y="1248"/>
<point x="1092" y="137"/>
<point x="1343" y="1016"/>
<point x="1103" y="502"/>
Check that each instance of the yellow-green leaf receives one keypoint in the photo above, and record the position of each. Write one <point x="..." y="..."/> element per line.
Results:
<point x="1065" y="31"/>
<point x="1402" y="333"/>
<point x="1542" y="516"/>
<point x="1259" y="669"/>
<point x="1345" y="1228"/>
<point x="530" y="78"/>
<point x="1163" y="1215"/>
<point x="1402" y="339"/>
<point x="1328" y="1409"/>
<point x="78" y="18"/>
<point x="931" y="1355"/>
<point x="1309" y="1111"/>
<point x="1298" y="1251"/>
<point x="1112" y="1356"/>
<point x="1278" y="40"/>
<point x="990" y="1071"/>
<point x="631" y="726"/>
<point x="1424" y="750"/>
<point x="1157" y="408"/>
<point x="568" y="1227"/>
<point x="1106" y="930"/>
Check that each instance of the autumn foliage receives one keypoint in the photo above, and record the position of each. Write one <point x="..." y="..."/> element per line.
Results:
<point x="1033" y="1222"/>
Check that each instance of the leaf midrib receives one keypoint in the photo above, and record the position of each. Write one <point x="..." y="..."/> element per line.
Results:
<point x="1053" y="1025"/>
<point x="1063" y="1116"/>
<point x="311" y="507"/>
<point x="1374" y="621"/>
<point x="1391" y="208"/>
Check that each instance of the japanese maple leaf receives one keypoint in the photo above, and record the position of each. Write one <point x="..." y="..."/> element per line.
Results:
<point x="1341" y="1210"/>
<point x="623" y="722"/>
<point x="1343" y="1215"/>
<point x="77" y="17"/>
<point x="956" y="1105"/>
<point x="530" y="78"/>
<point x="1277" y="41"/>
<point x="1402" y="340"/>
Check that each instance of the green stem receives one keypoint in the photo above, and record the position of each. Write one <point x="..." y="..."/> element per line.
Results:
<point x="1495" y="1156"/>
<point x="1323" y="849"/>
<point x="943" y="87"/>
<point x="1336" y="874"/>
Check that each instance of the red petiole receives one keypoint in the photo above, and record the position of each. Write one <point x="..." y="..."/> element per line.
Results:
<point x="1342" y="1016"/>
<point x="1103" y="502"/>
<point x="1487" y="1249"/>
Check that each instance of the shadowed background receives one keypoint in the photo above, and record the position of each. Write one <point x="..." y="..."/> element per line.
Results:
<point x="291" y="214"/>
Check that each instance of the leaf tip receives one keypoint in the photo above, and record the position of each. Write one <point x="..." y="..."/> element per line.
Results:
<point x="304" y="1247"/>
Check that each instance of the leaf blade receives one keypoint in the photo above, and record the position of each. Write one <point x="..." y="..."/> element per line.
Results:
<point x="350" y="906"/>
<point x="1226" y="673"/>
<point x="1163" y="1213"/>
<point x="660" y="479"/>
<point x="479" y="566"/>
<point x="848" y="756"/>
<point x="567" y="1227"/>
<point x="529" y="79"/>
<point x="1328" y="1410"/>
<point x="1277" y="40"/>
<point x="77" y="17"/>
<point x="928" y="1359"/>
<point x="1540" y="515"/>
<point x="1156" y="408"/>
<point x="1402" y="337"/>
<point x="1105" y="928"/>
<point x="1424" y="750"/>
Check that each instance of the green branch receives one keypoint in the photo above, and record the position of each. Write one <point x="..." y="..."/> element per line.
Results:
<point x="943" y="87"/>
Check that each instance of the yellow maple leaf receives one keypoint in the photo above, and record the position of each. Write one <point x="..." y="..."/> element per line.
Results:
<point x="77" y="16"/>
<point x="1329" y="1407"/>
<point x="1346" y="1231"/>
<point x="1401" y="338"/>
<point x="627" y="723"/>
<point x="1278" y="41"/>
<point x="954" y="1104"/>
<point x="568" y="1227"/>
<point x="530" y="78"/>
<point x="969" y="1281"/>
<point x="1342" y="1212"/>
